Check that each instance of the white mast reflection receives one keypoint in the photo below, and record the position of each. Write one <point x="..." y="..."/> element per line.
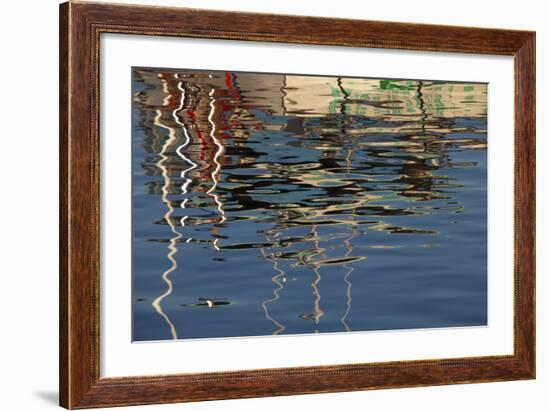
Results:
<point x="349" y="249"/>
<point x="216" y="172"/>
<point x="172" y="245"/>
<point x="172" y="249"/>
<point x="350" y="268"/>
<point x="278" y="279"/>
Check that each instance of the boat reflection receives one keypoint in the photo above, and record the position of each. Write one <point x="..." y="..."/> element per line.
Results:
<point x="293" y="173"/>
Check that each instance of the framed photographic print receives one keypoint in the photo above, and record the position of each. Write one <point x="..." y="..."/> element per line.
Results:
<point x="258" y="205"/>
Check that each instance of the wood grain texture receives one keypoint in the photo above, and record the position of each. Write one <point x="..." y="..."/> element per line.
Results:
<point x="80" y="27"/>
<point x="525" y="203"/>
<point x="63" y="205"/>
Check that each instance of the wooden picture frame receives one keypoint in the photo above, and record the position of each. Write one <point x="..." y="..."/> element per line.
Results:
<point x="80" y="27"/>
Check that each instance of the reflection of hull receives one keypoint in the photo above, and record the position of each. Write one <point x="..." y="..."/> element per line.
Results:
<point x="263" y="91"/>
<point x="392" y="100"/>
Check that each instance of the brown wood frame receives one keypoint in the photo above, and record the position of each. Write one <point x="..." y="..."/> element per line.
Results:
<point x="80" y="27"/>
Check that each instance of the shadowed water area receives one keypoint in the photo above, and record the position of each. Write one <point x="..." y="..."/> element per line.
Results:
<point x="285" y="204"/>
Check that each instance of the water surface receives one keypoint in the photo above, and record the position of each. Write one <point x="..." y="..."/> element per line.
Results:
<point x="282" y="204"/>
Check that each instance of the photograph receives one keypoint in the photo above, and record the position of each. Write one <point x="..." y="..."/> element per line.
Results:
<point x="271" y="204"/>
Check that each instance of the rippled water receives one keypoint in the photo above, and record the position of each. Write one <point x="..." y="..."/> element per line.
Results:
<point x="280" y="204"/>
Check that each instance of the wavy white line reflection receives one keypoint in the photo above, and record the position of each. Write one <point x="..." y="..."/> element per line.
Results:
<point x="349" y="249"/>
<point x="172" y="248"/>
<point x="172" y="245"/>
<point x="317" y="310"/>
<point x="275" y="280"/>
<point x="350" y="268"/>
<point x="216" y="172"/>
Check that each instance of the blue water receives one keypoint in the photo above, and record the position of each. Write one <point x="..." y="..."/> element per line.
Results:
<point x="281" y="204"/>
